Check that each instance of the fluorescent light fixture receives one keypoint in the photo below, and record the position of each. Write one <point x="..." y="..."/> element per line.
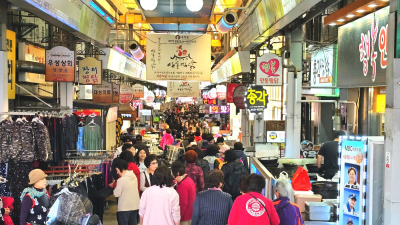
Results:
<point x="149" y="5"/>
<point x="332" y="24"/>
<point x="194" y="5"/>
<point x="110" y="20"/>
<point x="372" y="5"/>
<point x="350" y="16"/>
<point x="97" y="8"/>
<point x="127" y="54"/>
<point x="119" y="49"/>
<point x="360" y="11"/>
<point x="341" y="20"/>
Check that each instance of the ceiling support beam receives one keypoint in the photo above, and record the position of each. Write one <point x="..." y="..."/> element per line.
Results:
<point x="138" y="18"/>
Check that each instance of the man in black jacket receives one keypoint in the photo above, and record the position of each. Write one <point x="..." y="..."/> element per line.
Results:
<point x="139" y="143"/>
<point x="238" y="146"/>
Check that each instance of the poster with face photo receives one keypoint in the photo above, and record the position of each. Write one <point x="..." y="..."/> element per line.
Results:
<point x="353" y="156"/>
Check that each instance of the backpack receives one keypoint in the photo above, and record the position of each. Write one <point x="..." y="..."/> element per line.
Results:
<point x="231" y="184"/>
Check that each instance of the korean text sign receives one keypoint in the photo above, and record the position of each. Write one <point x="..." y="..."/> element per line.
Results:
<point x="90" y="71"/>
<point x="60" y="65"/>
<point x="11" y="56"/>
<point x="362" y="51"/>
<point x="183" y="89"/>
<point x="323" y="67"/>
<point x="103" y="92"/>
<point x="219" y="109"/>
<point x="269" y="70"/>
<point x="353" y="157"/>
<point x="178" y="57"/>
<point x="256" y="99"/>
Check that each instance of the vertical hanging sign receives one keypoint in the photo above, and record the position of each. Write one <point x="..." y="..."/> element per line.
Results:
<point x="60" y="65"/>
<point x="90" y="71"/>
<point x="269" y="70"/>
<point x="11" y="48"/>
<point x="352" y="187"/>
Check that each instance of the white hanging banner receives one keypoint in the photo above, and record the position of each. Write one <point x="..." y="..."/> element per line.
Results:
<point x="269" y="70"/>
<point x="178" y="57"/>
<point x="183" y="89"/>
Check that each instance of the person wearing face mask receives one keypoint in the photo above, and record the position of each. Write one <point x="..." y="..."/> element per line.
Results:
<point x="35" y="201"/>
<point x="140" y="156"/>
<point x="352" y="184"/>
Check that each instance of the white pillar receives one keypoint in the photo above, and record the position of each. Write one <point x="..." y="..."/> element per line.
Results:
<point x="392" y="128"/>
<point x="67" y="94"/>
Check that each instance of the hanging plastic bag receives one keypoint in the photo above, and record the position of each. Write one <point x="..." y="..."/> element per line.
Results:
<point x="301" y="180"/>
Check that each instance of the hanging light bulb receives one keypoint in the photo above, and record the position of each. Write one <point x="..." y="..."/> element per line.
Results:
<point x="194" y="5"/>
<point x="148" y="5"/>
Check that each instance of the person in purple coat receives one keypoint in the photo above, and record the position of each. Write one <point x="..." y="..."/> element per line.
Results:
<point x="288" y="212"/>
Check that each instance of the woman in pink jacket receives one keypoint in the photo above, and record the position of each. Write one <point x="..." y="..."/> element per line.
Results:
<point x="167" y="139"/>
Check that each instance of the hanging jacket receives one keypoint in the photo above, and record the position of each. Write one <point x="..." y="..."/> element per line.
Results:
<point x="6" y="129"/>
<point x="42" y="142"/>
<point x="23" y="145"/>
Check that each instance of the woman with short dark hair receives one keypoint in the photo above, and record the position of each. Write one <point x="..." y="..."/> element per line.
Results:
<point x="259" y="209"/>
<point x="146" y="177"/>
<point x="160" y="203"/>
<point x="213" y="205"/>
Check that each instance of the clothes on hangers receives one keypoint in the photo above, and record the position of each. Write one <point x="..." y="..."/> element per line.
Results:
<point x="92" y="138"/>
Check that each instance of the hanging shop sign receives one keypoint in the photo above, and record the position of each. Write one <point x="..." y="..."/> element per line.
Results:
<point x="11" y="57"/>
<point x="256" y="99"/>
<point x="31" y="53"/>
<point x="125" y="94"/>
<point x="157" y="93"/>
<point x="219" y="109"/>
<point x="137" y="103"/>
<point x="150" y="97"/>
<point x="212" y="94"/>
<point x="178" y="57"/>
<point x="145" y="112"/>
<point x="116" y="89"/>
<point x="269" y="70"/>
<point x="353" y="182"/>
<point x="204" y="94"/>
<point x="138" y="91"/>
<point x="60" y="65"/>
<point x="239" y="96"/>
<point x="221" y="92"/>
<point x="276" y="137"/>
<point x="90" y="71"/>
<point x="176" y="89"/>
<point x="323" y="67"/>
<point x="208" y="101"/>
<point x="103" y="93"/>
<point x="362" y="51"/>
<point x="229" y="92"/>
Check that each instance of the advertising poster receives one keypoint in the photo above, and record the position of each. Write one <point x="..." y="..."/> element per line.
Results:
<point x="353" y="155"/>
<point x="256" y="99"/>
<point x="178" y="57"/>
<point x="11" y="57"/>
<point x="90" y="71"/>
<point x="229" y="92"/>
<point x="323" y="67"/>
<point x="269" y="70"/>
<point x="125" y="94"/>
<point x="31" y="53"/>
<point x="60" y="65"/>
<point x="103" y="92"/>
<point x="183" y="89"/>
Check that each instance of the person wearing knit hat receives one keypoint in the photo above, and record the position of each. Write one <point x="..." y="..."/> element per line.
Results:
<point x="35" y="201"/>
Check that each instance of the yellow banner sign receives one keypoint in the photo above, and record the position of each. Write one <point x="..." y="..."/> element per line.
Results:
<point x="11" y="48"/>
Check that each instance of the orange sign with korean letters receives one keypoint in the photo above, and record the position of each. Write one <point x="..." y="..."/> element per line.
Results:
<point x="60" y="65"/>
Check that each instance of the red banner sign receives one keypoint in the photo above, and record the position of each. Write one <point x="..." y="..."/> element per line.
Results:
<point x="229" y="92"/>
